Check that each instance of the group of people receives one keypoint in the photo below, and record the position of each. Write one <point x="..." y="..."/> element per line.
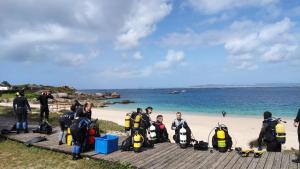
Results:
<point x="141" y="127"/>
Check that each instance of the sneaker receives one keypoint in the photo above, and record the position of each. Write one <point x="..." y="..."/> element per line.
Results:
<point x="296" y="160"/>
<point x="60" y="143"/>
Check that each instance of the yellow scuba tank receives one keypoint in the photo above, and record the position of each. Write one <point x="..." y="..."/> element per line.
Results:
<point x="127" y="122"/>
<point x="137" y="121"/>
<point x="137" y="142"/>
<point x="280" y="132"/>
<point x="69" y="137"/>
<point x="221" y="139"/>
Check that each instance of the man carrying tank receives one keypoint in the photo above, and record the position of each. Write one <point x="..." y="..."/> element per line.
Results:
<point x="267" y="135"/>
<point x="133" y="116"/>
<point x="44" y="108"/>
<point x="161" y="130"/>
<point x="85" y="111"/>
<point x="65" y="120"/>
<point x="296" y="124"/>
<point x="20" y="107"/>
<point x="177" y="124"/>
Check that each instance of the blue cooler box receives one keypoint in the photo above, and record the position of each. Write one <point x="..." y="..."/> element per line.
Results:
<point x="106" y="144"/>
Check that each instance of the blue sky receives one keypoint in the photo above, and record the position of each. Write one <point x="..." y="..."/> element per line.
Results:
<point x="149" y="44"/>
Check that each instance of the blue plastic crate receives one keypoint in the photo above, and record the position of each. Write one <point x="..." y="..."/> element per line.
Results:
<point x="106" y="144"/>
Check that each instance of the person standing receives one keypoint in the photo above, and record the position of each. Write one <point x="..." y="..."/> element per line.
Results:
<point x="44" y="108"/>
<point x="296" y="124"/>
<point x="20" y="107"/>
<point x="85" y="110"/>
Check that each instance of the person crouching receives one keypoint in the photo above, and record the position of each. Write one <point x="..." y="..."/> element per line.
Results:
<point x="79" y="132"/>
<point x="161" y="130"/>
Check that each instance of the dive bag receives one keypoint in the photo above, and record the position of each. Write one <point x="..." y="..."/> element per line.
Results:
<point x="44" y="128"/>
<point x="201" y="145"/>
<point x="127" y="144"/>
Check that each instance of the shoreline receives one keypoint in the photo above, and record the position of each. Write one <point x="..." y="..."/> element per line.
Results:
<point x="242" y="129"/>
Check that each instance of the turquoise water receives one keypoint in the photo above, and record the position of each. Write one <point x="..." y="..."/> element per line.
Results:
<point x="281" y="101"/>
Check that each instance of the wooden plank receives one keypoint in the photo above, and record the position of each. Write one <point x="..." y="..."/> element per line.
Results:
<point x="156" y="156"/>
<point x="285" y="161"/>
<point x="196" y="159"/>
<point x="245" y="162"/>
<point x="191" y="157"/>
<point x="201" y="163"/>
<point x="270" y="160"/>
<point x="254" y="162"/>
<point x="277" y="160"/>
<point x="211" y="161"/>
<point x="262" y="161"/>
<point x="220" y="159"/>
<point x="292" y="165"/>
<point x="240" y="162"/>
<point x="225" y="161"/>
<point x="233" y="160"/>
<point x="173" y="160"/>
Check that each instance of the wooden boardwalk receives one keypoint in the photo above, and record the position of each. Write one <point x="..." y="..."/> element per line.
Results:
<point x="170" y="156"/>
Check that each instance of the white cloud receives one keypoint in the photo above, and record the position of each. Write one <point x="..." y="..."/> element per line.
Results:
<point x="137" y="55"/>
<point x="216" y="6"/>
<point x="27" y="33"/>
<point x="170" y="61"/>
<point x="74" y="59"/>
<point x="246" y="42"/>
<point x="141" y="22"/>
<point x="172" y="58"/>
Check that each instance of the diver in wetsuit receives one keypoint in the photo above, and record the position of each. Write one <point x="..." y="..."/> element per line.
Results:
<point x="20" y="107"/>
<point x="267" y="134"/>
<point x="79" y="132"/>
<point x="44" y="108"/>
<point x="296" y="124"/>
<point x="85" y="111"/>
<point x="65" y="120"/>
<point x="177" y="124"/>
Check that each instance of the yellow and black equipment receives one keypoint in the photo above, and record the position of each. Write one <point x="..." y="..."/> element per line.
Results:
<point x="127" y="122"/>
<point x="69" y="137"/>
<point x="137" y="121"/>
<point x="138" y="141"/>
<point x="221" y="141"/>
<point x="280" y="131"/>
<point x="258" y="153"/>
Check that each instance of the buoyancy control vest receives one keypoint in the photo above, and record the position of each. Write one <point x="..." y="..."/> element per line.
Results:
<point x="221" y="139"/>
<point x="275" y="130"/>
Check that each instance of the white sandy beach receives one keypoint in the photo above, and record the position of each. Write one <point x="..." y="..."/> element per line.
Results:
<point x="242" y="129"/>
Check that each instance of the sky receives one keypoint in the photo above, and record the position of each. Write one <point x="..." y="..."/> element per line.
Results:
<point x="97" y="44"/>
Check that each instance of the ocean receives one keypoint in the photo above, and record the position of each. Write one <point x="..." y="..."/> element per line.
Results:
<point x="281" y="101"/>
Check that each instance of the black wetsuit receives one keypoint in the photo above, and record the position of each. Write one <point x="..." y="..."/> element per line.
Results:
<point x="268" y="136"/>
<point x="44" y="109"/>
<point x="297" y="119"/>
<point x="80" y="112"/>
<point x="20" y="106"/>
<point x="79" y="132"/>
<point x="161" y="132"/>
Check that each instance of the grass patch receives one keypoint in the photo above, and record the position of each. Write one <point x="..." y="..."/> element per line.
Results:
<point x="105" y="126"/>
<point x="17" y="155"/>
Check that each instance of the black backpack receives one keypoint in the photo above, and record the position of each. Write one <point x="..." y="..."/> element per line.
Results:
<point x="201" y="145"/>
<point x="127" y="144"/>
<point x="270" y="134"/>
<point x="45" y="128"/>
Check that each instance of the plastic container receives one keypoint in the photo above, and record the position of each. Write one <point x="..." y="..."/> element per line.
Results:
<point x="106" y="144"/>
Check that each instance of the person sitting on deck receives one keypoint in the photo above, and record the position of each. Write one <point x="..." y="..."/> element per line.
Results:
<point x="161" y="130"/>
<point x="177" y="124"/>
